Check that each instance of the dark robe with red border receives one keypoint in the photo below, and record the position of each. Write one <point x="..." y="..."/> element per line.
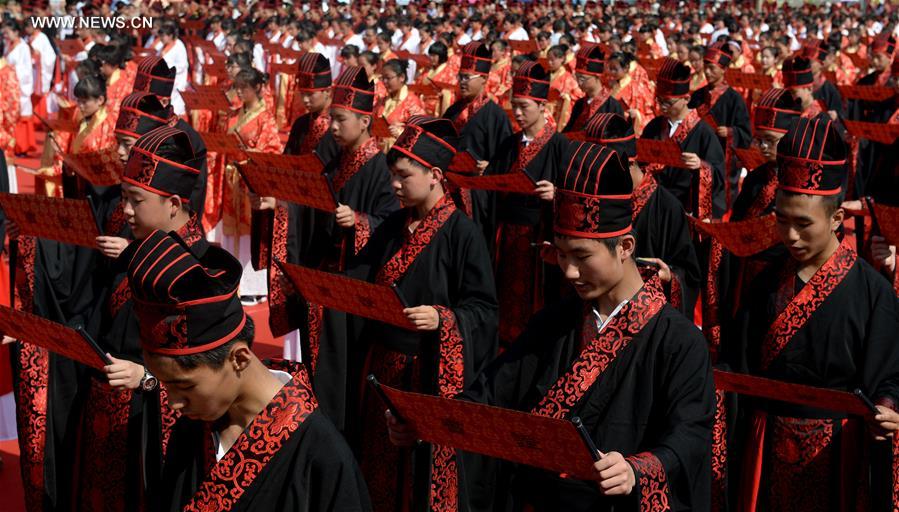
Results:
<point x="583" y="110"/>
<point x="836" y="331"/>
<point x="643" y="387"/>
<point x="290" y="457"/>
<point x="444" y="263"/>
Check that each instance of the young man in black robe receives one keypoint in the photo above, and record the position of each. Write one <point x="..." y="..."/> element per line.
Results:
<point x="634" y="369"/>
<point x="436" y="257"/>
<point x="881" y="54"/>
<point x="589" y="69"/>
<point x="481" y="123"/>
<point x="283" y="232"/>
<point x="820" y="317"/>
<point x="520" y="223"/>
<point x="361" y="182"/>
<point x="799" y="80"/>
<point x="156" y="77"/>
<point x="823" y="90"/>
<point x="660" y="226"/>
<point x="249" y="438"/>
<point x="722" y="106"/>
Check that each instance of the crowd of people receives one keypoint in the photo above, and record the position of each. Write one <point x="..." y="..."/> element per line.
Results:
<point x="674" y="221"/>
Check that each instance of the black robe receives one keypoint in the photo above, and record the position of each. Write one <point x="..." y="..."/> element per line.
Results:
<point x="481" y="136"/>
<point x="581" y="108"/>
<point x="517" y="225"/>
<point x="330" y="247"/>
<point x="452" y="271"/>
<point x="729" y="110"/>
<point x="830" y="98"/>
<point x="312" y="470"/>
<point x="298" y="141"/>
<point x="848" y="342"/>
<point x="870" y="152"/>
<point x="656" y="396"/>
<point x="662" y="232"/>
<point x="683" y="183"/>
<point x="198" y="195"/>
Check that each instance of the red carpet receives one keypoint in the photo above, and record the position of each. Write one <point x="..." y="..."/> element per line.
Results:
<point x="10" y="478"/>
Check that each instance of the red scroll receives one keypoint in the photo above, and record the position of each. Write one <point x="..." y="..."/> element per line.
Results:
<point x="742" y="238"/>
<point x="101" y="168"/>
<point x="70" y="221"/>
<point x="52" y="336"/>
<point x="538" y="441"/>
<point x="877" y="132"/>
<point x="360" y="298"/>
<point x="665" y="152"/>
<point x="752" y="158"/>
<point x="810" y="396"/>
<point x="515" y="182"/>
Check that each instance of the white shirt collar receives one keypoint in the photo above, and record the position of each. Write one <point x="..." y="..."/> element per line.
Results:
<point x="600" y="325"/>
<point x="283" y="377"/>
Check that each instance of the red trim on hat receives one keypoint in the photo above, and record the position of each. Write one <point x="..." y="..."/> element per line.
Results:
<point x="156" y="191"/>
<point x="157" y="158"/>
<point x="141" y="113"/>
<point x="154" y="77"/>
<point x="201" y="348"/>
<point x="413" y="156"/>
<point x="580" y="234"/>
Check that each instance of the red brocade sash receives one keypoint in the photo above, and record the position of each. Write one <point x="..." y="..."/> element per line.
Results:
<point x="600" y="350"/>
<point x="444" y="489"/>
<point x="230" y="477"/>
<point x="797" y="310"/>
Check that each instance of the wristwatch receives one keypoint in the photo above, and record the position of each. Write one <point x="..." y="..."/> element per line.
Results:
<point x="148" y="382"/>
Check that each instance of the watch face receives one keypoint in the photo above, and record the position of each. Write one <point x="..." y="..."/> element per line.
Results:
<point x="150" y="383"/>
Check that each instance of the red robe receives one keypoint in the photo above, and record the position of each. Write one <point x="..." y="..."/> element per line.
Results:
<point x="437" y="104"/>
<point x="9" y="107"/>
<point x="93" y="135"/>
<point x="639" y="95"/>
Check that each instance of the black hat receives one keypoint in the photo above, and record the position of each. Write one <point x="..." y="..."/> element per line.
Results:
<point x="183" y="306"/>
<point x="139" y="113"/>
<point x="590" y="60"/>
<point x="775" y="111"/>
<point x="884" y="43"/>
<point x="530" y="81"/>
<point x="476" y="58"/>
<point x="815" y="49"/>
<point x="811" y="158"/>
<point x="614" y="131"/>
<point x="673" y="80"/>
<point x="429" y="141"/>
<point x="354" y="91"/>
<point x="797" y="72"/>
<point x="718" y="53"/>
<point x="594" y="200"/>
<point x="314" y="72"/>
<point x="164" y="162"/>
<point x="154" y="76"/>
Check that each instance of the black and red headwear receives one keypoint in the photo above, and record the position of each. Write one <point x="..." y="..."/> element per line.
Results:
<point x="139" y="113"/>
<point x="613" y="131"/>
<point x="313" y="72"/>
<point x="590" y="60"/>
<point x="183" y="306"/>
<point x="154" y="76"/>
<point x="797" y="72"/>
<point x="719" y="53"/>
<point x="815" y="49"/>
<point x="354" y="91"/>
<point x="164" y="162"/>
<point x="476" y="59"/>
<point x="594" y="199"/>
<point x="530" y="81"/>
<point x="428" y="140"/>
<point x="811" y="158"/>
<point x="673" y="80"/>
<point x="884" y="43"/>
<point x="775" y="111"/>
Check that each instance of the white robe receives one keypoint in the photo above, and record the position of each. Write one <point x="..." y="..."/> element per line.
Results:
<point x="176" y="57"/>
<point x="41" y="44"/>
<point x="20" y="59"/>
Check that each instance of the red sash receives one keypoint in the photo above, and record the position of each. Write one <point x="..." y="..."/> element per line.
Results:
<point x="264" y="436"/>
<point x="444" y="491"/>
<point x="470" y="110"/>
<point x="641" y="195"/>
<point x="526" y="155"/>
<point x="601" y="349"/>
<point x="796" y="311"/>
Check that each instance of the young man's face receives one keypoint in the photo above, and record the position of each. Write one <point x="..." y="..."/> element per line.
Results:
<point x="713" y="73"/>
<point x="804" y="224"/>
<point x="315" y="101"/>
<point x="471" y="85"/>
<point x="672" y="108"/>
<point x="411" y="182"/>
<point x="527" y="112"/>
<point x="590" y="267"/>
<point x="125" y="142"/>
<point x="590" y="84"/>
<point x="347" y="127"/>
<point x="767" y="142"/>
<point x="202" y="393"/>
<point x="880" y="61"/>
<point x="146" y="211"/>
<point x="803" y="94"/>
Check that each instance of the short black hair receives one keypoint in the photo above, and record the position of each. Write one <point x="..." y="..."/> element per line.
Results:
<point x="216" y="357"/>
<point x="439" y="49"/>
